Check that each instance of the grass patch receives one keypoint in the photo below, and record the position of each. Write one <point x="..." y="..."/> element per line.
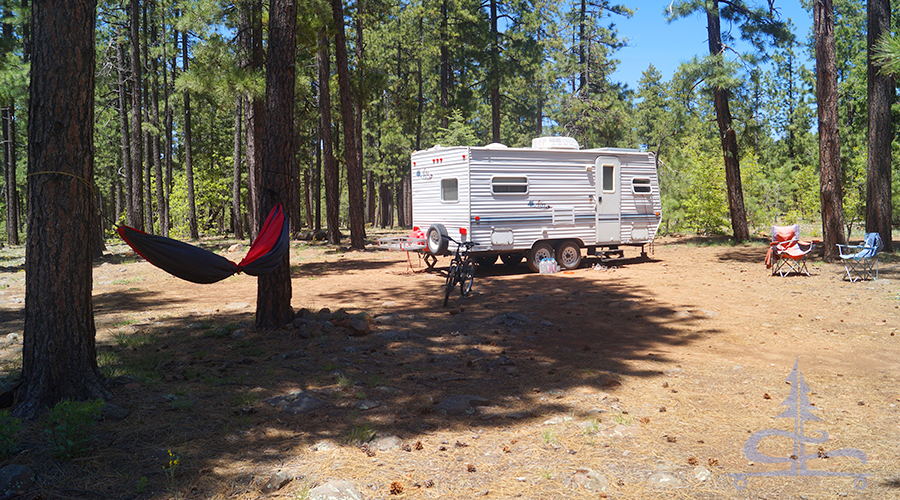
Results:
<point x="359" y="434"/>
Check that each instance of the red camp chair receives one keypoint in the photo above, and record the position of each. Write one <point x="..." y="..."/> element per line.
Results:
<point x="787" y="253"/>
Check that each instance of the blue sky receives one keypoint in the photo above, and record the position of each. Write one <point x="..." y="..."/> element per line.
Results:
<point x="653" y="41"/>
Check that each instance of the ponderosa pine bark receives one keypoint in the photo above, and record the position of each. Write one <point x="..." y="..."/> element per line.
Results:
<point x="353" y="161"/>
<point x="273" y="306"/>
<point x="237" y="224"/>
<point x="188" y="146"/>
<point x="332" y="190"/>
<point x="727" y="134"/>
<point x="59" y="357"/>
<point x="880" y="94"/>
<point x="136" y="217"/>
<point x="252" y="59"/>
<point x="831" y="190"/>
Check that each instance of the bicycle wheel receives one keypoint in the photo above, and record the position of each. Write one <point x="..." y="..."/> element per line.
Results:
<point x="451" y="281"/>
<point x="467" y="277"/>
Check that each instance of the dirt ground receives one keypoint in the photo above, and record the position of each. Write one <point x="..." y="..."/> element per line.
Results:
<point x="637" y="378"/>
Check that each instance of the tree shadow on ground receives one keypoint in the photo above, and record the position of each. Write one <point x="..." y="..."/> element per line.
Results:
<point x="521" y="342"/>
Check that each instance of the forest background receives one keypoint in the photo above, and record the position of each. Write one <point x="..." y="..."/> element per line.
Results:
<point x="180" y="93"/>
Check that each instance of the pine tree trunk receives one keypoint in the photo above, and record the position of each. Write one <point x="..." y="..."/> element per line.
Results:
<point x="371" y="197"/>
<point x="354" y="168"/>
<point x="154" y="98"/>
<point x="136" y="218"/>
<point x="168" y="116"/>
<point x="188" y="146"/>
<point x="253" y="57"/>
<point x="317" y="177"/>
<point x="831" y="190"/>
<point x="59" y="357"/>
<point x="727" y="134"/>
<point x="273" y="306"/>
<point x="124" y="131"/>
<point x="880" y="94"/>
<point x="147" y="171"/>
<point x="494" y="75"/>
<point x="332" y="193"/>
<point x="12" y="192"/>
<point x="445" y="66"/>
<point x="236" y="219"/>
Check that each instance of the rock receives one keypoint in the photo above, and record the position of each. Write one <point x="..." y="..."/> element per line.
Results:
<point x="237" y="247"/>
<point x="503" y="364"/>
<point x="336" y="490"/>
<point x="510" y="319"/>
<point x="114" y="413"/>
<point x="298" y="403"/>
<point x="385" y="319"/>
<point x="557" y="420"/>
<point x="702" y="473"/>
<point x="324" y="314"/>
<point x="359" y="327"/>
<point x="398" y="335"/>
<point x="13" y="338"/>
<point x="664" y="479"/>
<point x="276" y="482"/>
<point x="607" y="380"/>
<point x="305" y="314"/>
<point x="589" y="480"/>
<point x="325" y="445"/>
<point x="388" y="303"/>
<point x="443" y="358"/>
<point x="386" y="443"/>
<point x="460" y="405"/>
<point x="367" y="404"/>
<point x="15" y="480"/>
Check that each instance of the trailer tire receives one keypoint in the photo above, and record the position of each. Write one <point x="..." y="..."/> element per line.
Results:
<point x="541" y="250"/>
<point x="568" y="255"/>
<point x="436" y="239"/>
<point x="511" y="259"/>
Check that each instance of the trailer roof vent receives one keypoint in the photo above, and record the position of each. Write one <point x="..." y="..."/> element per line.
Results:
<point x="495" y="145"/>
<point x="554" y="143"/>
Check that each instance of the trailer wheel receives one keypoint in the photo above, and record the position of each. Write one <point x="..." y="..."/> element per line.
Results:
<point x="568" y="254"/>
<point x="511" y="259"/>
<point x="437" y="240"/>
<point x="540" y="251"/>
<point x="486" y="260"/>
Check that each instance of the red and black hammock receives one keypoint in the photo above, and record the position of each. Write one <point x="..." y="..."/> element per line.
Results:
<point x="202" y="266"/>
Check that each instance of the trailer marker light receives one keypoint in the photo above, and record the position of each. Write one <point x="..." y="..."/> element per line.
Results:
<point x="464" y="157"/>
<point x="477" y="218"/>
<point x="462" y="231"/>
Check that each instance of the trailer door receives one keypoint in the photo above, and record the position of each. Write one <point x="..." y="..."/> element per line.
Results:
<point x="607" y="212"/>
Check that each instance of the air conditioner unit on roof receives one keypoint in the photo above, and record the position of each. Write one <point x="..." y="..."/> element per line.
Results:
<point x="554" y="143"/>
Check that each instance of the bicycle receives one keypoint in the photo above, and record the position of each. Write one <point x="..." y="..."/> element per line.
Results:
<point x="461" y="270"/>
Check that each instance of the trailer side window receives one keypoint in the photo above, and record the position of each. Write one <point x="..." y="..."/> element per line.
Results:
<point x="609" y="176"/>
<point x="449" y="190"/>
<point x="509" y="185"/>
<point x="640" y="186"/>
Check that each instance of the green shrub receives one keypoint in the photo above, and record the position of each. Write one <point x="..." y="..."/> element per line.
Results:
<point x="9" y="430"/>
<point x="70" y="426"/>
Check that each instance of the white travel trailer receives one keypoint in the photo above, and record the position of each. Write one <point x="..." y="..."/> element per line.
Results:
<point x="549" y="200"/>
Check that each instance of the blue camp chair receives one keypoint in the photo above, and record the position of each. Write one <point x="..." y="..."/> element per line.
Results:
<point x="861" y="260"/>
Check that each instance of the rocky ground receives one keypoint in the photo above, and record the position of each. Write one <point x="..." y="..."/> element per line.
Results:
<point x="640" y="378"/>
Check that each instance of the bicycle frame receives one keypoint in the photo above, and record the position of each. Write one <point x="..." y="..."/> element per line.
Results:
<point x="461" y="270"/>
